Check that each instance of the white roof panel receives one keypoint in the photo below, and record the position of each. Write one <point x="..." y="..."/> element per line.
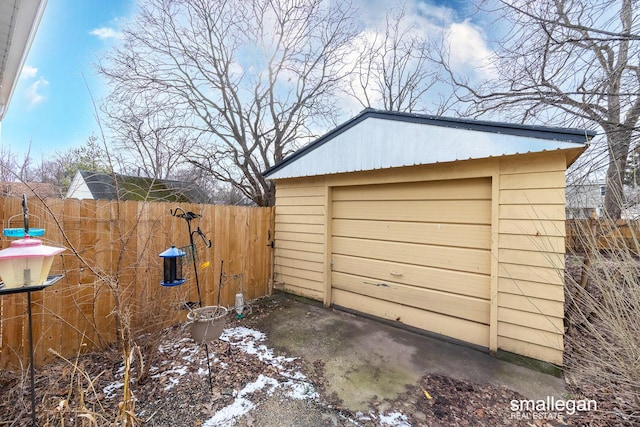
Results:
<point x="377" y="140"/>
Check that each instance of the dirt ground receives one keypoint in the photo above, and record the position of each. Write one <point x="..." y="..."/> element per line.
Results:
<point x="176" y="391"/>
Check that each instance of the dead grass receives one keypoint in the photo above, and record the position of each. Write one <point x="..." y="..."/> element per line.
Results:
<point x="602" y="317"/>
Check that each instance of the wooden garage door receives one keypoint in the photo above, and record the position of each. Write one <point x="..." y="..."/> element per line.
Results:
<point x="417" y="253"/>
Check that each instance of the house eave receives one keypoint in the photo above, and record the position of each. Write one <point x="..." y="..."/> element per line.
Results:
<point x="18" y="27"/>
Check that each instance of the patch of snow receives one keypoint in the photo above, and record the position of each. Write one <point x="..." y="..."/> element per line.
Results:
<point x="110" y="390"/>
<point x="301" y="390"/>
<point x="227" y="415"/>
<point x="246" y="339"/>
<point x="240" y="406"/>
<point x="296" y="387"/>
<point x="178" y="371"/>
<point x="394" y="419"/>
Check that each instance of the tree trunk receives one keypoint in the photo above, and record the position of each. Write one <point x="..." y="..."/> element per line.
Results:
<point x="618" y="141"/>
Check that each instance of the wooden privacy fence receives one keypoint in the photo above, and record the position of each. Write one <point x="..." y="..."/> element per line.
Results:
<point x="112" y="269"/>
<point x="606" y="235"/>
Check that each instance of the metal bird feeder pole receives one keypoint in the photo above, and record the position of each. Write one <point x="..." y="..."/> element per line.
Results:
<point x="190" y="216"/>
<point x="24" y="267"/>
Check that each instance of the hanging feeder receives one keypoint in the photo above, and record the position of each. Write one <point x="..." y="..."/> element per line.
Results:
<point x="26" y="263"/>
<point x="172" y="267"/>
<point x="24" y="268"/>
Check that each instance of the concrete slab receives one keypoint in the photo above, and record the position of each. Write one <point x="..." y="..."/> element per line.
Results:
<point x="365" y="359"/>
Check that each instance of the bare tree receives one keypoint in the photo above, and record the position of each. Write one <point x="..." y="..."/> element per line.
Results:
<point x="60" y="168"/>
<point x="392" y="70"/>
<point x="248" y="78"/>
<point x="148" y="134"/>
<point x="12" y="168"/>
<point x="569" y="62"/>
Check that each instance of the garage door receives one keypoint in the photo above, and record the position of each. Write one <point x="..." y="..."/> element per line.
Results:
<point x="417" y="253"/>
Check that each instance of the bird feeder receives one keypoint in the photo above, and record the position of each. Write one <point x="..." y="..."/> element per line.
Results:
<point x="172" y="267"/>
<point x="26" y="263"/>
<point x="24" y="268"/>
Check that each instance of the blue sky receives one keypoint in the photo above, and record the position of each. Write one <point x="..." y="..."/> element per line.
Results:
<point x="51" y="106"/>
<point x="51" y="109"/>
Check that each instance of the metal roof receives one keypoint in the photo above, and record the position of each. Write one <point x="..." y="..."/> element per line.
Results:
<point x="19" y="20"/>
<point x="376" y="139"/>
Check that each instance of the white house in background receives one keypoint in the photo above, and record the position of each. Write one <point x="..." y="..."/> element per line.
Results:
<point x="585" y="199"/>
<point x="19" y="20"/>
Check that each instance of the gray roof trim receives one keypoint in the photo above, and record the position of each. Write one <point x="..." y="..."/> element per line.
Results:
<point x="578" y="136"/>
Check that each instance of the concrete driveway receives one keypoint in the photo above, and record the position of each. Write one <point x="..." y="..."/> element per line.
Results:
<point x="365" y="359"/>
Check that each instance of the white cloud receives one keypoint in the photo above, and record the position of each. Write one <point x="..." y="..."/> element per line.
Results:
<point x="34" y="92"/>
<point x="28" y="72"/>
<point x="104" y="33"/>
<point x="468" y="49"/>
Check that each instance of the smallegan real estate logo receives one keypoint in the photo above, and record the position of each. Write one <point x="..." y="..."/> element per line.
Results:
<point x="549" y="408"/>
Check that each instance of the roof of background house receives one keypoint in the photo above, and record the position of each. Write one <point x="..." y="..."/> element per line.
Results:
<point x="394" y="139"/>
<point x="123" y="187"/>
<point x="19" y="20"/>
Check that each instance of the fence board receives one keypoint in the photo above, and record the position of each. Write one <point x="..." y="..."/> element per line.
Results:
<point x="618" y="235"/>
<point x="113" y="247"/>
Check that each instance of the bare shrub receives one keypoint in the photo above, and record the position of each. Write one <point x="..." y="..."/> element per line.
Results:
<point x="603" y="312"/>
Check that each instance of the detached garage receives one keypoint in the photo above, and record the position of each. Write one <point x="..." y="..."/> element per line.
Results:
<point x="448" y="225"/>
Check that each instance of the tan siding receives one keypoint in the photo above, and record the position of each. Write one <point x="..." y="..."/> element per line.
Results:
<point x="528" y="273"/>
<point x="527" y="319"/>
<point x="312" y="275"/>
<point x="533" y="336"/>
<point x="284" y="280"/>
<point x="301" y="201"/>
<point x="299" y="242"/>
<point x="298" y="290"/>
<point x="284" y="190"/>
<point x="528" y="349"/>
<point x="531" y="256"/>
<point x="301" y="255"/>
<point x="532" y="227"/>
<point x="532" y="304"/>
<point x="532" y="180"/>
<point x="298" y="246"/>
<point x="533" y="212"/>
<point x="300" y="219"/>
<point x="472" y="332"/>
<point x="536" y="196"/>
<point x="298" y="210"/>
<point x="301" y="237"/>
<point x="532" y="243"/>
<point x="299" y="227"/>
<point x="300" y="264"/>
<point x="531" y="289"/>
